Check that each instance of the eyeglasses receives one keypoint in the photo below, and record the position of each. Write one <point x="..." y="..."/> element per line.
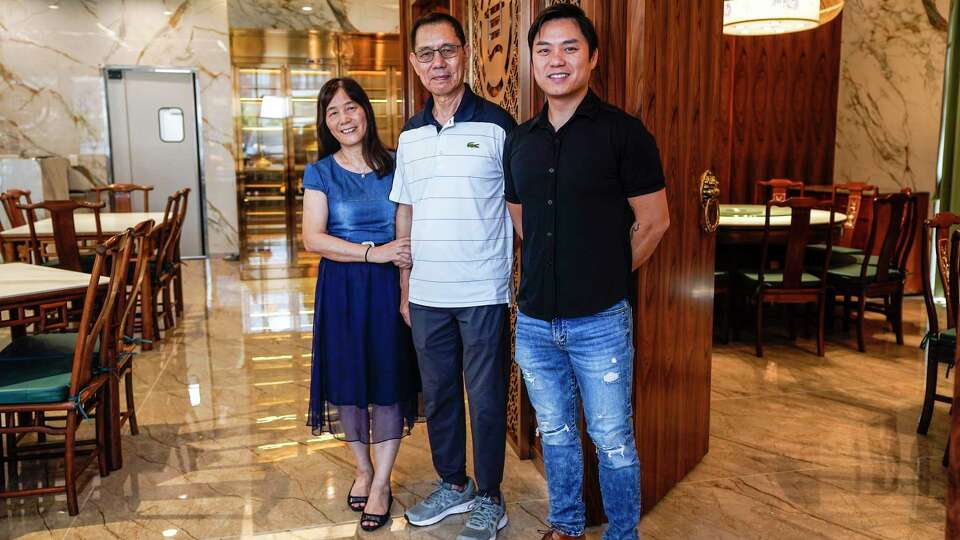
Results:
<point x="425" y="56"/>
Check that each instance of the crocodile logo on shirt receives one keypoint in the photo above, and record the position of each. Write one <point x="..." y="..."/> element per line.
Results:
<point x="473" y="145"/>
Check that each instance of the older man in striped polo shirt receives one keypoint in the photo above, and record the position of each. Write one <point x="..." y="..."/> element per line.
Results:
<point x="449" y="183"/>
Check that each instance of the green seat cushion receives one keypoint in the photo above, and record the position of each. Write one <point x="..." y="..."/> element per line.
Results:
<point x="836" y="249"/>
<point x="852" y="272"/>
<point x="776" y="278"/>
<point x="42" y="347"/>
<point x="27" y="380"/>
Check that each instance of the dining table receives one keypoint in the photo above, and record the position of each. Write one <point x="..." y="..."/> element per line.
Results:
<point x="86" y="228"/>
<point x="41" y="295"/>
<point x="744" y="223"/>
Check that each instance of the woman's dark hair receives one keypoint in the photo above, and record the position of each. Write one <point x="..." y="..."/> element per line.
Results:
<point x="374" y="153"/>
<point x="434" y="18"/>
<point x="564" y="11"/>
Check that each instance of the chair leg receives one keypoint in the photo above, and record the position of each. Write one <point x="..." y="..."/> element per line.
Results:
<point x="148" y="314"/>
<point x="41" y="420"/>
<point x="820" y="331"/>
<point x="759" y="326"/>
<point x="155" y="312"/>
<point x="178" y="291"/>
<point x="131" y="408"/>
<point x="167" y="309"/>
<point x="929" y="393"/>
<point x="846" y="313"/>
<point x="861" y="313"/>
<point x="101" y="425"/>
<point x="896" y="312"/>
<point x="10" y="420"/>
<point x="69" y="457"/>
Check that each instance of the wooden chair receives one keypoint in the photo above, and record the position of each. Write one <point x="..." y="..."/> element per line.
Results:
<point x="940" y="342"/>
<point x="156" y="298"/>
<point x="908" y="232"/>
<point x="875" y="276"/>
<point x="73" y="385"/>
<point x="777" y="188"/>
<point x="126" y="343"/>
<point x="12" y="200"/>
<point x="855" y="192"/>
<point x="65" y="234"/>
<point x="791" y="283"/>
<point x="120" y="196"/>
<point x="177" y="261"/>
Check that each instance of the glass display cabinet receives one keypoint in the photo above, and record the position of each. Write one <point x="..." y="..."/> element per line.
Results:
<point x="278" y="75"/>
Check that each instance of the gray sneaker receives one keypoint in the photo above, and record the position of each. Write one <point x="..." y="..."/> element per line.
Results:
<point x="444" y="501"/>
<point x="487" y="518"/>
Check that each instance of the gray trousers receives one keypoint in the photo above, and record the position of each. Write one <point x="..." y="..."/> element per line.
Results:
<point x="457" y="345"/>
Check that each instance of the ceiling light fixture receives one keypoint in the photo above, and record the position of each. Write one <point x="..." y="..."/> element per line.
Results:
<point x="770" y="17"/>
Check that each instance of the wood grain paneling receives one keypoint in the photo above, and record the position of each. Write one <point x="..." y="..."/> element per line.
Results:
<point x="672" y="75"/>
<point x="778" y="112"/>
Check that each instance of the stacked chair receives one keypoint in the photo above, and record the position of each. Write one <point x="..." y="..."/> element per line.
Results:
<point x="59" y="375"/>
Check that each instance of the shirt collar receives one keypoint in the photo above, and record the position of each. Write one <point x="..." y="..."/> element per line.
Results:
<point x="465" y="111"/>
<point x="587" y="108"/>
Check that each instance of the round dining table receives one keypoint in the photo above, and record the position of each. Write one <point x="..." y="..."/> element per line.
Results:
<point x="744" y="224"/>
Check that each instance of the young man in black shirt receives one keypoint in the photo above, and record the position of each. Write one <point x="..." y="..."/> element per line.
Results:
<point x="585" y="188"/>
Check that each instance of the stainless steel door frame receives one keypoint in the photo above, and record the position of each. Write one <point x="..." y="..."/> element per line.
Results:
<point x="200" y="197"/>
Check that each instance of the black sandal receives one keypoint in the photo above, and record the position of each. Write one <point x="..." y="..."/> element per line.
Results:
<point x="379" y="519"/>
<point x="351" y="500"/>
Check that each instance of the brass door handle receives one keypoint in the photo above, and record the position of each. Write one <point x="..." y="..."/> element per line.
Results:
<point x="710" y="201"/>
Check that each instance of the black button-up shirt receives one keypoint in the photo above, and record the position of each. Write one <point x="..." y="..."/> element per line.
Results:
<point x="573" y="185"/>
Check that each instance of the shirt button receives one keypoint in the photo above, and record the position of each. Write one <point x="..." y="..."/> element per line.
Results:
<point x="550" y="202"/>
<point x="551" y="170"/>
<point x="556" y="141"/>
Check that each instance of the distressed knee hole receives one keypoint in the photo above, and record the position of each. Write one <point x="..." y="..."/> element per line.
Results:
<point x="617" y="456"/>
<point x="528" y="376"/>
<point x="555" y="435"/>
<point x="611" y="377"/>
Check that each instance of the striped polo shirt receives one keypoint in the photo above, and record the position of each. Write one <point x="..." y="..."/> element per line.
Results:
<point x="452" y="175"/>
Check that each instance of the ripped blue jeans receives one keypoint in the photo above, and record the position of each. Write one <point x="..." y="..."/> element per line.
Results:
<point x="594" y="355"/>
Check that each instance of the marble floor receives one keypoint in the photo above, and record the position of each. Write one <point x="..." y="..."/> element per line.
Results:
<point x="801" y="447"/>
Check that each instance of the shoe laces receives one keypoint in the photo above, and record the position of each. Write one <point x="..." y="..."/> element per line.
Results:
<point x="439" y="495"/>
<point x="485" y="511"/>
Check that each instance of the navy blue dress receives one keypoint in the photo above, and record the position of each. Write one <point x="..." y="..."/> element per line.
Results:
<point x="364" y="381"/>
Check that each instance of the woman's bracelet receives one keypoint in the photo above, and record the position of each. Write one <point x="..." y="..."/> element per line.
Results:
<point x="365" y="253"/>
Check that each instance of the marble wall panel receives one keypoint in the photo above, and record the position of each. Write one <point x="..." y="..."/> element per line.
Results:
<point x="331" y="15"/>
<point x="51" y="90"/>
<point x="891" y="88"/>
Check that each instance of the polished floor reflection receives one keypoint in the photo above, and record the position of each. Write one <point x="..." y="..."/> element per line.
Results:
<point x="800" y="446"/>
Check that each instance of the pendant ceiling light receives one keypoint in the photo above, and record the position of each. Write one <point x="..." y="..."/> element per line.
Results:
<point x="768" y="17"/>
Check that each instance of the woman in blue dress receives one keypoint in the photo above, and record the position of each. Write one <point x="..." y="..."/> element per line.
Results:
<point x="364" y="379"/>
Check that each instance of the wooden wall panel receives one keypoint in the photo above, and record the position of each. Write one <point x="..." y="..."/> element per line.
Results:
<point x="672" y="75"/>
<point x="778" y="114"/>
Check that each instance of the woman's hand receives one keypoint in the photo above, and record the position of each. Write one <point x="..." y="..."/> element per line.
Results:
<point x="396" y="252"/>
